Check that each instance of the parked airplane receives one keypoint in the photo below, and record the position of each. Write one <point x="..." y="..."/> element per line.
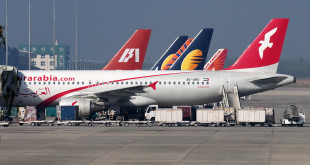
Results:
<point x="131" y="55"/>
<point x="95" y="90"/>
<point x="217" y="61"/>
<point x="170" y="51"/>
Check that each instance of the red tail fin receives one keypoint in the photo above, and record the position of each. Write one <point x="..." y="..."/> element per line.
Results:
<point x="217" y="61"/>
<point x="131" y="55"/>
<point x="264" y="52"/>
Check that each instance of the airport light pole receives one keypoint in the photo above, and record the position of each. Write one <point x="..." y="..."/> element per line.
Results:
<point x="6" y="33"/>
<point x="54" y="28"/>
<point x="29" y="1"/>
<point x="76" y="32"/>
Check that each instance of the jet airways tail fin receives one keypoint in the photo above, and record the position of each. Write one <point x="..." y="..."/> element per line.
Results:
<point x="170" y="51"/>
<point x="263" y="54"/>
<point x="170" y="60"/>
<point x="131" y="55"/>
<point x="217" y="61"/>
<point x="194" y="57"/>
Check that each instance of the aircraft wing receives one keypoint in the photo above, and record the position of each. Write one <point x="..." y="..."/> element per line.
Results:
<point x="115" y="94"/>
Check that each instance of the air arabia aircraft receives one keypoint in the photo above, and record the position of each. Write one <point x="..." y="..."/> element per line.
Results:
<point x="253" y="72"/>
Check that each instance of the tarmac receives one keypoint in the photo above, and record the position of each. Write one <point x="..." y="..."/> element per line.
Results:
<point x="166" y="145"/>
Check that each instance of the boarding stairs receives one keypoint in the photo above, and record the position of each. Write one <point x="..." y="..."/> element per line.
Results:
<point x="230" y="98"/>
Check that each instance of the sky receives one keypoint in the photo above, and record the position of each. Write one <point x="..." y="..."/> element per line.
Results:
<point x="105" y="25"/>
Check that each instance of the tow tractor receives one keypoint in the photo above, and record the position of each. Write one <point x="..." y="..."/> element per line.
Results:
<point x="291" y="117"/>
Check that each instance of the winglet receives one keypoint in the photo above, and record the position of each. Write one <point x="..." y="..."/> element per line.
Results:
<point x="153" y="85"/>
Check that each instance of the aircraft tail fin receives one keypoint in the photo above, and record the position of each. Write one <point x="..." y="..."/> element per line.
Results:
<point x="194" y="56"/>
<point x="217" y="61"/>
<point x="263" y="54"/>
<point x="131" y="55"/>
<point x="171" y="50"/>
<point x="170" y="60"/>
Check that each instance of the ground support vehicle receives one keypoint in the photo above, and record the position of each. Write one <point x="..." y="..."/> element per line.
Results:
<point x="137" y="123"/>
<point x="74" y="123"/>
<point x="37" y="123"/>
<point x="291" y="117"/>
<point x="4" y="124"/>
<point x="208" y="116"/>
<point x="251" y="116"/>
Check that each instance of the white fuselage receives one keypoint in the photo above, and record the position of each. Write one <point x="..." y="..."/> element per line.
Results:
<point x="46" y="88"/>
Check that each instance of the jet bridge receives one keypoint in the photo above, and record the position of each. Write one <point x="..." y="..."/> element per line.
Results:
<point x="9" y="85"/>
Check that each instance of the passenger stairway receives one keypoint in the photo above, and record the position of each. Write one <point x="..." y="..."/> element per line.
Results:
<point x="230" y="99"/>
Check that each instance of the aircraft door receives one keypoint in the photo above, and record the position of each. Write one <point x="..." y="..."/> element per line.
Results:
<point x="226" y="82"/>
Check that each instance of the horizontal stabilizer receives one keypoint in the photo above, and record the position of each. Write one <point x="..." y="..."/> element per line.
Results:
<point x="270" y="80"/>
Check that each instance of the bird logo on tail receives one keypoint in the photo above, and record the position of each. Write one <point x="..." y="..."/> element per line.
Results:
<point x="266" y="43"/>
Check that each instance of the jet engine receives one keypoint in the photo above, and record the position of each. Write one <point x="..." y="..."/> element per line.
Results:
<point x="85" y="107"/>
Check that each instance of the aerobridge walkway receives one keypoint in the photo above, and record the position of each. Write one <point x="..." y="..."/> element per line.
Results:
<point x="9" y="85"/>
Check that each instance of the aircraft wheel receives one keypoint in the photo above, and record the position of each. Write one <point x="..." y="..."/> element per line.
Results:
<point x="33" y="124"/>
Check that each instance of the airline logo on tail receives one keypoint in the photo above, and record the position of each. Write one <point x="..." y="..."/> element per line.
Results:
<point x="217" y="61"/>
<point x="128" y="54"/>
<point x="266" y="43"/>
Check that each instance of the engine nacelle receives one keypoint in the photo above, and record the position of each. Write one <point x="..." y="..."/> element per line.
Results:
<point x="86" y="107"/>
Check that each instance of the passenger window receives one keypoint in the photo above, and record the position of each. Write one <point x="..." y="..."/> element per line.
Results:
<point x="179" y="82"/>
<point x="145" y="82"/>
<point x="126" y="82"/>
<point x="188" y="83"/>
<point x="116" y="83"/>
<point x="159" y="83"/>
<point x="136" y="82"/>
<point x="131" y="82"/>
<point x="44" y="83"/>
<point x="54" y="83"/>
<point x="68" y="83"/>
<point x="169" y="83"/>
<point x="140" y="82"/>
<point x="49" y="83"/>
<point x="174" y="83"/>
<point x="193" y="83"/>
<point x="29" y="83"/>
<point x="39" y="83"/>
<point x="72" y="83"/>
<point x="164" y="82"/>
<point x="58" y="83"/>
<point x="25" y="83"/>
<point x="183" y="83"/>
<point x="63" y="83"/>
<point x="150" y="82"/>
<point x="89" y="82"/>
<point x="78" y="83"/>
<point x="82" y="82"/>
<point x="202" y="83"/>
<point x="197" y="83"/>
<point x="122" y="83"/>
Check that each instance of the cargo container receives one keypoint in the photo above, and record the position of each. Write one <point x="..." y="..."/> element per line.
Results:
<point x="186" y="112"/>
<point x="21" y="113"/>
<point x="50" y="113"/>
<point x="251" y="116"/>
<point x="207" y="116"/>
<point x="30" y="113"/>
<point x="168" y="115"/>
<point x="69" y="113"/>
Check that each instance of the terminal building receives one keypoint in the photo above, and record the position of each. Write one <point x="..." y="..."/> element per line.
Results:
<point x="43" y="57"/>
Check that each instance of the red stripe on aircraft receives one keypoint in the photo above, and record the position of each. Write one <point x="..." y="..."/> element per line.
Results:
<point x="51" y="99"/>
